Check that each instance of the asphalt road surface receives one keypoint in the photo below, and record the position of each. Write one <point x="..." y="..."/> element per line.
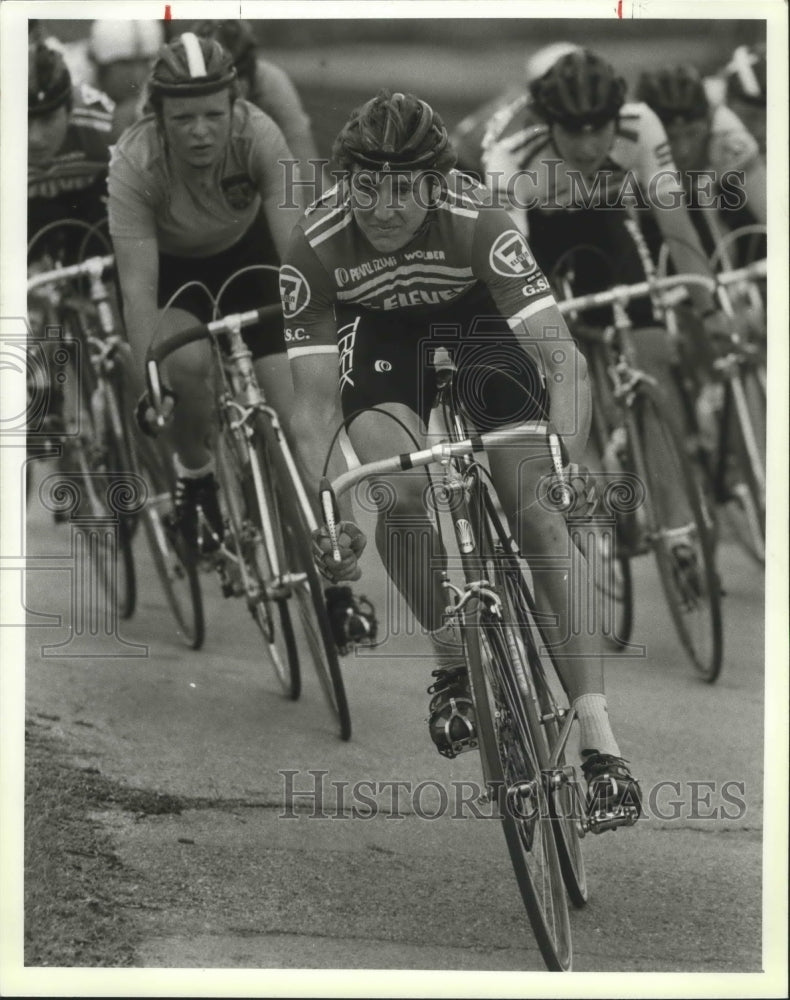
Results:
<point x="258" y="872"/>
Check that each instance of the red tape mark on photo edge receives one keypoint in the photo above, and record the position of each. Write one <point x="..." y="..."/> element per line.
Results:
<point x="167" y="11"/>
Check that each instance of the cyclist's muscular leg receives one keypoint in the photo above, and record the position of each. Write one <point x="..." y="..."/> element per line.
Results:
<point x="188" y="373"/>
<point x="406" y="538"/>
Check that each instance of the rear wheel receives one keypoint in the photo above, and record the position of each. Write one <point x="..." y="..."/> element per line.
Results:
<point x="679" y="527"/>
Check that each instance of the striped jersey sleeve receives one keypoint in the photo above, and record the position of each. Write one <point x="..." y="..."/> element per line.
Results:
<point x="503" y="261"/>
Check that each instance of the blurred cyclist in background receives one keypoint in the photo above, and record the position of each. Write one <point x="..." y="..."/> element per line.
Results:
<point x="741" y="84"/>
<point x="121" y="53"/>
<point x="268" y="87"/>
<point x="469" y="133"/>
<point x="68" y="151"/>
<point x="706" y="138"/>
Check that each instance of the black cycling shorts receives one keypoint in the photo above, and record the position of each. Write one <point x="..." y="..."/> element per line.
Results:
<point x="386" y="357"/>
<point x="249" y="291"/>
<point x="599" y="248"/>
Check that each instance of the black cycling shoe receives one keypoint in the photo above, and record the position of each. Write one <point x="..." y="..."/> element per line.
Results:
<point x="613" y="795"/>
<point x="686" y="573"/>
<point x="193" y="494"/>
<point x="452" y="719"/>
<point x="352" y="619"/>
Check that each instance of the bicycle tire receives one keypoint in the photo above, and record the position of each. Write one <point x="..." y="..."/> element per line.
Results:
<point x="175" y="563"/>
<point x="512" y="772"/>
<point x="693" y="591"/>
<point x="93" y="449"/>
<point x="611" y="561"/>
<point x="309" y="596"/>
<point x="562" y="800"/>
<point x="742" y="462"/>
<point x="255" y="539"/>
<point x="119" y="458"/>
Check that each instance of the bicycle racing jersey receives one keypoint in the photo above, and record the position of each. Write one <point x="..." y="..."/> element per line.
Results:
<point x="524" y="167"/>
<point x="463" y="244"/>
<point x="73" y="183"/>
<point x="189" y="213"/>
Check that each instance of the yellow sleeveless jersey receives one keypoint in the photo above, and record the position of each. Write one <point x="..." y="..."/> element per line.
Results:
<point x="151" y="197"/>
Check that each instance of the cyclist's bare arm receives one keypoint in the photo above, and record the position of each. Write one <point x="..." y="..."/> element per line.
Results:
<point x="316" y="419"/>
<point x="570" y="402"/>
<point x="137" y="263"/>
<point x="686" y="250"/>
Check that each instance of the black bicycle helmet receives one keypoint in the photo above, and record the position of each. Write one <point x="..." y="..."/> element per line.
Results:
<point x="394" y="132"/>
<point x="48" y="80"/>
<point x="191" y="67"/>
<point x="676" y="93"/>
<point x="580" y="89"/>
<point x="746" y="75"/>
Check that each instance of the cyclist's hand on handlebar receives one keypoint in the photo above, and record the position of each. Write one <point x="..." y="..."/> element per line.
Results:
<point x="351" y="543"/>
<point x="146" y="415"/>
<point x="582" y="491"/>
<point x="717" y="325"/>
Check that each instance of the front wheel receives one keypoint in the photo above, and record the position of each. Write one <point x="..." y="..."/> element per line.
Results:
<point x="254" y="560"/>
<point x="307" y="604"/>
<point x="174" y="561"/>
<point x="512" y="772"/>
<point x="742" y="462"/>
<point x="680" y="529"/>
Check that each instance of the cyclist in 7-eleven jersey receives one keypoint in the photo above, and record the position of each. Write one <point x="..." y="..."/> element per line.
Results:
<point x="401" y="258"/>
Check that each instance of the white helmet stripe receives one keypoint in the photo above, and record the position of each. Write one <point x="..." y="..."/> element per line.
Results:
<point x="195" y="60"/>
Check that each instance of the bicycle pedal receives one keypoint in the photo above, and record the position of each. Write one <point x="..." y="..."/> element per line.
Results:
<point x="610" y="819"/>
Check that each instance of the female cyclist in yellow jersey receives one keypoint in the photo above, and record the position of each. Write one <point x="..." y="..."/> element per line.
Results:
<point x="197" y="191"/>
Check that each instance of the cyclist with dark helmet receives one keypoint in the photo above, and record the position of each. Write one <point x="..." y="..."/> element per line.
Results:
<point x="703" y="137"/>
<point x="197" y="192"/>
<point x="468" y="135"/>
<point x="402" y="257"/>
<point x="574" y="135"/>
<point x="68" y="149"/>
<point x="571" y="161"/>
<point x="268" y="87"/>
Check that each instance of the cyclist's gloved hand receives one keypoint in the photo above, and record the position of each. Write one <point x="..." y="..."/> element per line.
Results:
<point x="718" y="328"/>
<point x="351" y="543"/>
<point x="146" y="416"/>
<point x="583" y="492"/>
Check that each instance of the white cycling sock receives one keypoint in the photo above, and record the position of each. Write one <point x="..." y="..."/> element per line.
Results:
<point x="596" y="734"/>
<point x="184" y="473"/>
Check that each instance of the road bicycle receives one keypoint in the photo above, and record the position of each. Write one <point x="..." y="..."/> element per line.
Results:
<point x="643" y="438"/>
<point x="733" y="460"/>
<point x="264" y="555"/>
<point x="522" y="717"/>
<point x="78" y="387"/>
